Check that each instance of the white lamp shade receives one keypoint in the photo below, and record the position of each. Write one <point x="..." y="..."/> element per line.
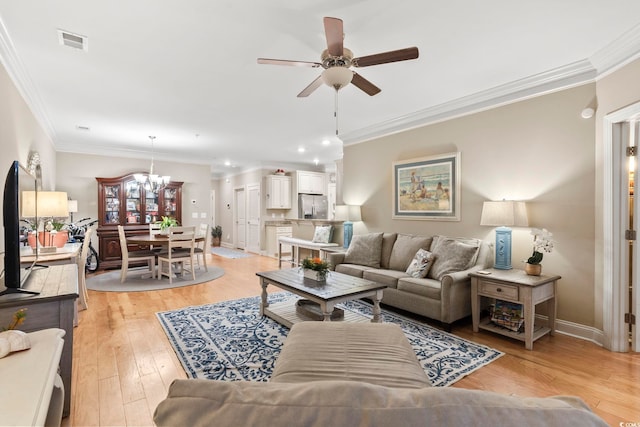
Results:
<point x="348" y="213"/>
<point x="73" y="206"/>
<point x="504" y="213"/>
<point x="28" y="204"/>
<point x="53" y="204"/>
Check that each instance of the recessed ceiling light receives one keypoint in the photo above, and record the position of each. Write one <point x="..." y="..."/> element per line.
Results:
<point x="326" y="142"/>
<point x="316" y="161"/>
<point x="301" y="150"/>
<point x="227" y="163"/>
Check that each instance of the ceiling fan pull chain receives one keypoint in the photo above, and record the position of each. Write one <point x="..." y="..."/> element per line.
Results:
<point x="335" y="111"/>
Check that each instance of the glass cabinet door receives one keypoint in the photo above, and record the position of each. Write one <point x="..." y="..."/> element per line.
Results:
<point x="133" y="202"/>
<point x="152" y="213"/>
<point x="169" y="200"/>
<point x="111" y="204"/>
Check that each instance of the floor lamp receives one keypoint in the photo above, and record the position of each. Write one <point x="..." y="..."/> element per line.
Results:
<point x="348" y="214"/>
<point x="502" y="215"/>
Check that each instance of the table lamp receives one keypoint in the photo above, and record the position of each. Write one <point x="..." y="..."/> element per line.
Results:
<point x="502" y="215"/>
<point x="51" y="204"/>
<point x="73" y="208"/>
<point x="348" y="214"/>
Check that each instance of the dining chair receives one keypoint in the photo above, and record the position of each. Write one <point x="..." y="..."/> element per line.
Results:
<point x="180" y="250"/>
<point x="82" y="262"/>
<point x="133" y="257"/>
<point x="154" y="228"/>
<point x="201" y="251"/>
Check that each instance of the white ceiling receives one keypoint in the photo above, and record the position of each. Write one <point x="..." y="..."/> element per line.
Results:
<point x="186" y="71"/>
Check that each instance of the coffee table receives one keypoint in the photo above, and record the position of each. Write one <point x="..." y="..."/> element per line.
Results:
<point x="336" y="289"/>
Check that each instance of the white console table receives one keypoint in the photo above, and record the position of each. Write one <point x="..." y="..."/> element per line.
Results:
<point x="28" y="396"/>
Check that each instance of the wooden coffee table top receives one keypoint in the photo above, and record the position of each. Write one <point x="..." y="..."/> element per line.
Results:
<point x="337" y="285"/>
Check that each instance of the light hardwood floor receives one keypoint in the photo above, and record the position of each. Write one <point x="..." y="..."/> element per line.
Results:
<point x="123" y="362"/>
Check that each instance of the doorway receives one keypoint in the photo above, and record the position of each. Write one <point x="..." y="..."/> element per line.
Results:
<point x="621" y="215"/>
<point x="240" y="218"/>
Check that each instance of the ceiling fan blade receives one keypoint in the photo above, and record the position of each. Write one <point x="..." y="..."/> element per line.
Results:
<point x="335" y="35"/>
<point x="365" y="85"/>
<point x="288" y="62"/>
<point x="386" y="57"/>
<point x="313" y="86"/>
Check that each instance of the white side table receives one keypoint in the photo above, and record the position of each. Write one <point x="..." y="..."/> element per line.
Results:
<point x="515" y="286"/>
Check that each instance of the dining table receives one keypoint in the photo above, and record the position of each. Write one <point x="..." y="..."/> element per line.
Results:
<point x="155" y="239"/>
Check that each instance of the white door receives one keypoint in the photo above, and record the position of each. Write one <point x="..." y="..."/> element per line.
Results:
<point x="241" y="219"/>
<point x="253" y="218"/>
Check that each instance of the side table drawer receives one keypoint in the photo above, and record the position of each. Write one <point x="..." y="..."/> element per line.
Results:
<point x="498" y="290"/>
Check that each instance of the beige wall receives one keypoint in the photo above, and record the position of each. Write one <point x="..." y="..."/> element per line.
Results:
<point x="77" y="176"/>
<point x="20" y="133"/>
<point x="539" y="150"/>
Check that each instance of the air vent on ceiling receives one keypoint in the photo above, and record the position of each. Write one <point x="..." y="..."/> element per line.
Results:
<point x="75" y="41"/>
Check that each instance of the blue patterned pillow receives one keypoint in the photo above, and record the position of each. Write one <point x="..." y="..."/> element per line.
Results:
<point x="421" y="263"/>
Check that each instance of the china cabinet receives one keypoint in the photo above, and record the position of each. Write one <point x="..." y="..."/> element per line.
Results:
<point x="124" y="201"/>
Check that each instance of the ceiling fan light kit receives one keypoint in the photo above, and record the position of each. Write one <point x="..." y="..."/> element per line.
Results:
<point x="337" y="77"/>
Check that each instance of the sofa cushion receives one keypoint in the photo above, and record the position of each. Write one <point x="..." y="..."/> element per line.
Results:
<point x="388" y="239"/>
<point x="322" y="234"/>
<point x="384" y="277"/>
<point x="429" y="288"/>
<point x="351" y="403"/>
<point x="365" y="249"/>
<point x="404" y="248"/>
<point x="354" y="270"/>
<point x="452" y="255"/>
<point x="374" y="353"/>
<point x="421" y="263"/>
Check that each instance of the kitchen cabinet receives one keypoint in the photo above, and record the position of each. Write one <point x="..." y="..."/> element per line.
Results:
<point x="311" y="182"/>
<point x="278" y="192"/>
<point x="273" y="233"/>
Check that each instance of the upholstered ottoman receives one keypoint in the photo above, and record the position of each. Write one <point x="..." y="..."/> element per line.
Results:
<point x="375" y="353"/>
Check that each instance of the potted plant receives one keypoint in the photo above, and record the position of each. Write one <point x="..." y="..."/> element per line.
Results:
<point x="167" y="222"/>
<point x="54" y="234"/>
<point x="216" y="235"/>
<point x="315" y="269"/>
<point x="541" y="242"/>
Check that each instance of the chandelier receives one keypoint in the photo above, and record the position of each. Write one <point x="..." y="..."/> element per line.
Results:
<point x="152" y="182"/>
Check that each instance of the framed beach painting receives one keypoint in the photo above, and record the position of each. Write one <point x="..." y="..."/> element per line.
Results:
<point x="427" y="188"/>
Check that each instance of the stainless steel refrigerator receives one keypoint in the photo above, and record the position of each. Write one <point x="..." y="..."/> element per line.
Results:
<point x="312" y="207"/>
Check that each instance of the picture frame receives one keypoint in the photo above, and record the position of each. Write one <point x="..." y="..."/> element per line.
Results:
<point x="427" y="188"/>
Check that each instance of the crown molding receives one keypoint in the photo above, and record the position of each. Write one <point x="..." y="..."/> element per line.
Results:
<point x="23" y="83"/>
<point x="560" y="78"/>
<point x="618" y="53"/>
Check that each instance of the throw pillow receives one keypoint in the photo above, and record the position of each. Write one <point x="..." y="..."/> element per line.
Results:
<point x="451" y="255"/>
<point x="322" y="234"/>
<point x="365" y="249"/>
<point x="404" y="248"/>
<point x="421" y="263"/>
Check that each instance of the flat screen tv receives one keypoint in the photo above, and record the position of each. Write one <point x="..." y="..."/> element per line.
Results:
<point x="19" y="186"/>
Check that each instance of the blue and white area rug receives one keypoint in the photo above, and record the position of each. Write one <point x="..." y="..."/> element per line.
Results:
<point x="229" y="253"/>
<point x="230" y="341"/>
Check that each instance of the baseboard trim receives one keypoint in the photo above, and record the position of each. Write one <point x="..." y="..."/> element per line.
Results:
<point x="576" y="330"/>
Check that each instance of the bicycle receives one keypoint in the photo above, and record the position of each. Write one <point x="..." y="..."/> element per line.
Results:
<point x="77" y="231"/>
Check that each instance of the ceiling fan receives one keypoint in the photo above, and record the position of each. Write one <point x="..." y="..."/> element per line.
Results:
<point x="337" y="60"/>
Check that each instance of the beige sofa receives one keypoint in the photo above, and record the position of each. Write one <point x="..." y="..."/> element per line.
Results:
<point x="355" y="374"/>
<point x="444" y="294"/>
